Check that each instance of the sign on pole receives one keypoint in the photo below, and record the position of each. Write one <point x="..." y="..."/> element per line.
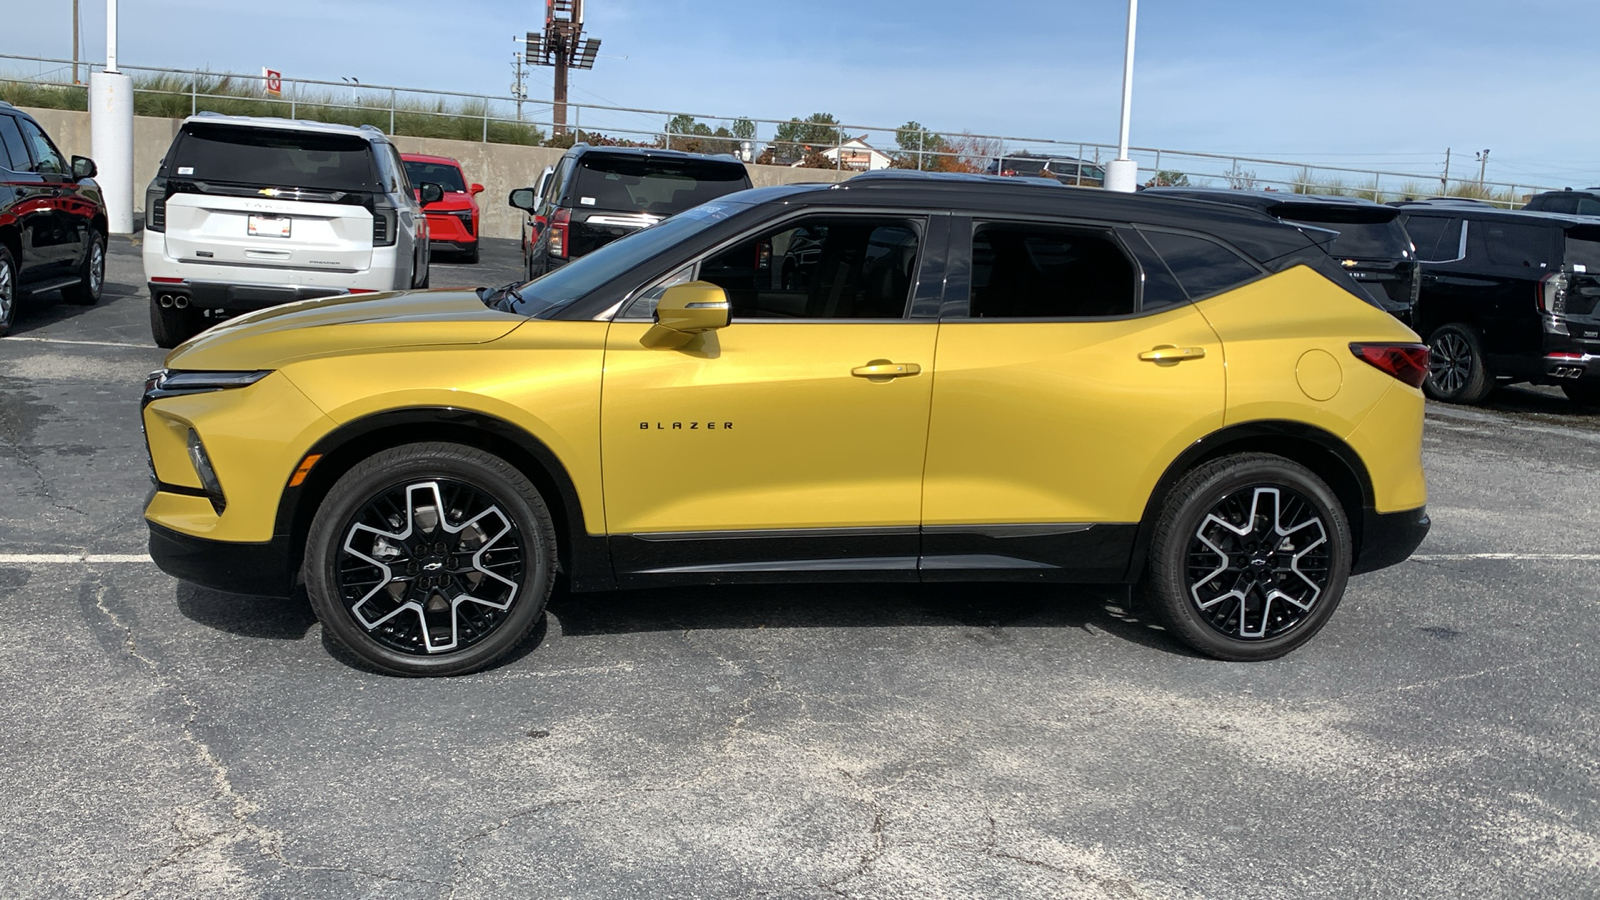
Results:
<point x="274" y="81"/>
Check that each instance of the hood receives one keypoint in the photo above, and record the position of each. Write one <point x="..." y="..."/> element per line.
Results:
<point x="273" y="337"/>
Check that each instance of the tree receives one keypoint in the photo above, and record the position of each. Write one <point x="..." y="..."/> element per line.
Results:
<point x="920" y="148"/>
<point x="744" y="129"/>
<point x="817" y="130"/>
<point x="1168" y="178"/>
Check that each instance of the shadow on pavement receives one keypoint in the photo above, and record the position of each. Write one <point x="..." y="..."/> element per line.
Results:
<point x="271" y="618"/>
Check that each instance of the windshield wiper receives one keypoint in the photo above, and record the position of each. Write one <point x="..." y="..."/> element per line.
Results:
<point x="502" y="298"/>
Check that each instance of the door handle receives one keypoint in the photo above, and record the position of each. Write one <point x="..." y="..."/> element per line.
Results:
<point x="1166" y="353"/>
<point x="883" y="370"/>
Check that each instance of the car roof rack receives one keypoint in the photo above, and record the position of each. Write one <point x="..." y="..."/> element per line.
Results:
<point x="893" y="178"/>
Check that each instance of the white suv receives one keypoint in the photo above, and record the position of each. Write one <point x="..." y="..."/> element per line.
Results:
<point x="249" y="212"/>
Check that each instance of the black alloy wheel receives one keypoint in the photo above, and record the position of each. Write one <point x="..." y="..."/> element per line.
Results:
<point x="1250" y="557"/>
<point x="430" y="559"/>
<point x="8" y="290"/>
<point x="1457" y="369"/>
<point x="92" y="280"/>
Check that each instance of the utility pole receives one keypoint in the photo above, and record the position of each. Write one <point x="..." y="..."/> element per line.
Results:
<point x="1444" y="183"/>
<point x="75" y="42"/>
<point x="1483" y="164"/>
<point x="519" y="87"/>
<point x="563" y="46"/>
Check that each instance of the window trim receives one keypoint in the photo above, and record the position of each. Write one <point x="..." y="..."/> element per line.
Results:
<point x="959" y="268"/>
<point x="922" y="221"/>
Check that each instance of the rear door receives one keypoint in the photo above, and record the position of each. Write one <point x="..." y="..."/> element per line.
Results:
<point x="1069" y="376"/>
<point x="270" y="198"/>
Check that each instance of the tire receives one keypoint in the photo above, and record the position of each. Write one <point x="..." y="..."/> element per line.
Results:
<point x="377" y="535"/>
<point x="9" y="291"/>
<point x="470" y="257"/>
<point x="1228" y="593"/>
<point x="1458" y="372"/>
<point x="420" y="285"/>
<point x="93" y="278"/>
<point x="170" y="326"/>
<point x="1583" y="393"/>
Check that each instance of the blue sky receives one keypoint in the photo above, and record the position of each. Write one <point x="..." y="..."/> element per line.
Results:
<point x="1361" y="83"/>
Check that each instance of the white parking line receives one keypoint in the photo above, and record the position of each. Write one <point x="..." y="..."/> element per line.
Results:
<point x="44" y="559"/>
<point x="1519" y="557"/>
<point x="41" y="340"/>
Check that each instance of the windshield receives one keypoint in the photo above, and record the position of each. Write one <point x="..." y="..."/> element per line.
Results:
<point x="660" y="187"/>
<point x="578" y="278"/>
<point x="265" y="156"/>
<point x="442" y="174"/>
<point x="1380" y="240"/>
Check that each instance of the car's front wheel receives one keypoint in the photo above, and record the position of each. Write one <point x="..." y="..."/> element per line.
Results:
<point x="8" y="290"/>
<point x="1249" y="558"/>
<point x="1457" y="369"/>
<point x="92" y="278"/>
<point x="430" y="559"/>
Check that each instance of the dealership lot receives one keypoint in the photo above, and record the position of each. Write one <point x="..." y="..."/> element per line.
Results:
<point x="1439" y="738"/>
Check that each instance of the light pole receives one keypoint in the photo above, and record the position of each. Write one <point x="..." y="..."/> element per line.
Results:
<point x="1122" y="173"/>
<point x="111" y="132"/>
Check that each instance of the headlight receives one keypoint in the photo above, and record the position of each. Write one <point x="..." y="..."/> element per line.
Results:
<point x="208" y="475"/>
<point x="172" y="382"/>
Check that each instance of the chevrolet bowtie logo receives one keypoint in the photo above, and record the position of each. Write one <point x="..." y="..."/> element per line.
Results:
<point x="270" y="192"/>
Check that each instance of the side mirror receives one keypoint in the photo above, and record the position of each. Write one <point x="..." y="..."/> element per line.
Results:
<point x="687" y="310"/>
<point x="522" y="198"/>
<point x="83" y="167"/>
<point x="475" y="189"/>
<point x="430" y="192"/>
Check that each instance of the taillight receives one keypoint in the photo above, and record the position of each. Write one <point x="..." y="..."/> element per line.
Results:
<point x="559" y="225"/>
<point x="1416" y="283"/>
<point x="1407" y="362"/>
<point x="385" y="227"/>
<point x="1552" y="295"/>
<point x="155" y="206"/>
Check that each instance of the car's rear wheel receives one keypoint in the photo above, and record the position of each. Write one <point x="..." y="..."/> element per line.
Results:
<point x="1457" y="369"/>
<point x="1583" y="393"/>
<point x="1249" y="559"/>
<point x="430" y="559"/>
<point x="171" y="326"/>
<point x="8" y="290"/>
<point x="93" y="277"/>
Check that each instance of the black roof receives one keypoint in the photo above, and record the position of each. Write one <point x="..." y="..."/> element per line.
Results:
<point x="582" y="149"/>
<point x="1284" y="205"/>
<point x="1487" y="211"/>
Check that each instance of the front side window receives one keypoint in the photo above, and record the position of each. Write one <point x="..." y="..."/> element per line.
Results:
<point x="820" y="268"/>
<point x="1045" y="272"/>
<point x="46" y="160"/>
<point x="1204" y="267"/>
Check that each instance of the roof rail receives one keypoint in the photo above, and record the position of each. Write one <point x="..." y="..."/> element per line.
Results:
<point x="890" y="178"/>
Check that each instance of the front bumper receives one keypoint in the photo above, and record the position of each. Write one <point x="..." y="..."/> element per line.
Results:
<point x="1390" y="538"/>
<point x="260" y="569"/>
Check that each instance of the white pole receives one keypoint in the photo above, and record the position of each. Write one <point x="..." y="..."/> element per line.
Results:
<point x="1122" y="173"/>
<point x="111" y="132"/>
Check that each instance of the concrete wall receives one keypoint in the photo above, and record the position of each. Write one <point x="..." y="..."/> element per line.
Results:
<point x="500" y="168"/>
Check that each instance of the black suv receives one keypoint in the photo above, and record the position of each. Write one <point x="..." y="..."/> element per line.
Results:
<point x="1506" y="296"/>
<point x="52" y="218"/>
<point x="1569" y="201"/>
<point x="598" y="194"/>
<point x="1365" y="237"/>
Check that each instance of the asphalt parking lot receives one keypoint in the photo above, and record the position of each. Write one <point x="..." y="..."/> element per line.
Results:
<point x="1439" y="738"/>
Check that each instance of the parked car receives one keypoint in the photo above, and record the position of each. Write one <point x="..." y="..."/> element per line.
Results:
<point x="249" y="212"/>
<point x="1569" y="201"/>
<point x="1065" y="169"/>
<point x="1507" y="296"/>
<point x="599" y="194"/>
<point x="52" y="219"/>
<point x="1365" y="237"/>
<point x="979" y="380"/>
<point x="452" y="219"/>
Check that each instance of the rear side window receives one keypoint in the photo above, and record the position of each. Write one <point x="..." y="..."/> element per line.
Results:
<point x="1204" y="267"/>
<point x="273" y="158"/>
<point x="11" y="146"/>
<point x="660" y="187"/>
<point x="1514" y="243"/>
<point x="1040" y="272"/>
<point x="442" y="174"/>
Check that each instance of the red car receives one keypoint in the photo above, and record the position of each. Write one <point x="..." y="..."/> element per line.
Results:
<point x="453" y="221"/>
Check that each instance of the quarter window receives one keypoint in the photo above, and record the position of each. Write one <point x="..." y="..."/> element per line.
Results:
<point x="1204" y="267"/>
<point x="821" y="268"/>
<point x="1040" y="272"/>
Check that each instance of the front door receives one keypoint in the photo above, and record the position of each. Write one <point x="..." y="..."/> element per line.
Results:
<point x="790" y="443"/>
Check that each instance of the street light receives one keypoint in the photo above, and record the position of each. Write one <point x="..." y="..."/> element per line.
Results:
<point x="1122" y="173"/>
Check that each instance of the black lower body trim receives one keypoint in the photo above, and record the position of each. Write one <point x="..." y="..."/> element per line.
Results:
<point x="259" y="569"/>
<point x="1389" y="538"/>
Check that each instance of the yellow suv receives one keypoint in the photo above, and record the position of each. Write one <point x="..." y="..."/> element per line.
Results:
<point x="900" y="378"/>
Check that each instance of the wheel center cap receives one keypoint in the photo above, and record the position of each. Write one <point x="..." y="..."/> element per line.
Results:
<point x="433" y="565"/>
<point x="1258" y="562"/>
